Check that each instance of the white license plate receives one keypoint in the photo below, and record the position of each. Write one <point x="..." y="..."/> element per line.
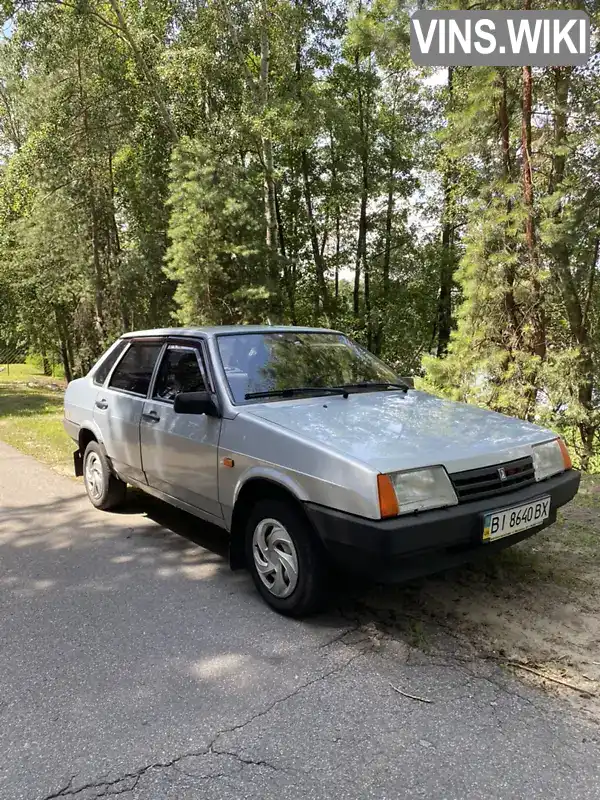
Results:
<point x="497" y="524"/>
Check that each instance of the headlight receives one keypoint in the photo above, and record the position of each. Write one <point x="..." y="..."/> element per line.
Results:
<point x="416" y="490"/>
<point x="550" y="458"/>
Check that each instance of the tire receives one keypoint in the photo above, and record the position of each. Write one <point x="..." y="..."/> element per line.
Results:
<point x="103" y="488"/>
<point x="273" y="520"/>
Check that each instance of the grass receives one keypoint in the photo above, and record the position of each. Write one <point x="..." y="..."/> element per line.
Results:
<point x="25" y="373"/>
<point x="31" y="412"/>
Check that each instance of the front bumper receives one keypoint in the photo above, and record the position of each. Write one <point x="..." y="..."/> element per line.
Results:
<point x="426" y="542"/>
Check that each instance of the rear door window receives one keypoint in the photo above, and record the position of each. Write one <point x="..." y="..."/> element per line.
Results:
<point x="134" y="372"/>
<point x="108" y="361"/>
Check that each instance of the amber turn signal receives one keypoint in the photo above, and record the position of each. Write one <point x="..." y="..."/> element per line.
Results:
<point x="565" y="454"/>
<point x="388" y="502"/>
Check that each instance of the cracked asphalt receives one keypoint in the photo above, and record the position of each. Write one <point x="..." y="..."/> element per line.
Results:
<point x="133" y="663"/>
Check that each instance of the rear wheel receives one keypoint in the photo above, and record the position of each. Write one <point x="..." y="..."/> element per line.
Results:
<point x="104" y="489"/>
<point x="286" y="560"/>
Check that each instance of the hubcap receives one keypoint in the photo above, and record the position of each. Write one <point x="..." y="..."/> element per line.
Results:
<point x="275" y="557"/>
<point x="94" y="479"/>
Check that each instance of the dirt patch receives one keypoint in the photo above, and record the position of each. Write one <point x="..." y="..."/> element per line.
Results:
<point x="536" y="604"/>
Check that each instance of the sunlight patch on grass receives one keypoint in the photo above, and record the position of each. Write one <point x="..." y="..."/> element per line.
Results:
<point x="26" y="373"/>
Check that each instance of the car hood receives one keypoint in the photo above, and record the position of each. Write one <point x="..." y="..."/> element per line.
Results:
<point x="393" y="430"/>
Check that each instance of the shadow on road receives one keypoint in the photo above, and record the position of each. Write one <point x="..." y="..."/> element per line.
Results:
<point x="195" y="530"/>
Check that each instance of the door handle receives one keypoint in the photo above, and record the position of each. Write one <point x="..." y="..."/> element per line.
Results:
<point x="151" y="416"/>
<point x="101" y="404"/>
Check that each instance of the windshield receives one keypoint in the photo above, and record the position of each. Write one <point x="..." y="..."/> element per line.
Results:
<point x="267" y="362"/>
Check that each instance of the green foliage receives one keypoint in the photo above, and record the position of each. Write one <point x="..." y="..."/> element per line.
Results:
<point x="284" y="161"/>
<point x="526" y="340"/>
<point x="217" y="255"/>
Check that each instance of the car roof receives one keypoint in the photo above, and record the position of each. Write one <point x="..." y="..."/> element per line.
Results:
<point x="215" y="330"/>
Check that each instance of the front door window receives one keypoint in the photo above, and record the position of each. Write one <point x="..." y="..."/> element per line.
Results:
<point x="179" y="372"/>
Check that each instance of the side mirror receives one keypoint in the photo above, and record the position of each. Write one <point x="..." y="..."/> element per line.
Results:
<point x="409" y="381"/>
<point x="195" y="403"/>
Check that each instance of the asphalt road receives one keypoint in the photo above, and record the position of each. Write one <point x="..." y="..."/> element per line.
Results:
<point x="134" y="663"/>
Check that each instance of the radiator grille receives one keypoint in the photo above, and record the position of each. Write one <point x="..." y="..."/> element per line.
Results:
<point x="477" y="484"/>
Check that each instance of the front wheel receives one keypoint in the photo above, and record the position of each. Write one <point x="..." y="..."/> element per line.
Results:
<point x="285" y="558"/>
<point x="104" y="489"/>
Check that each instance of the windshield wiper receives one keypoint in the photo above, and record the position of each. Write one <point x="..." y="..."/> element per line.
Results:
<point x="375" y="385"/>
<point x="291" y="392"/>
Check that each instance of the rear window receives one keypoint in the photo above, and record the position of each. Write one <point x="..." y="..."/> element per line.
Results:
<point x="107" y="362"/>
<point x="134" y="371"/>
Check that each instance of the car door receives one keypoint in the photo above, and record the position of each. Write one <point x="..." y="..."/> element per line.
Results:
<point x="179" y="451"/>
<point x="119" y="405"/>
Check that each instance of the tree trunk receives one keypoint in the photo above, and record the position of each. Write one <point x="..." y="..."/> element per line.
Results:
<point x="527" y="172"/>
<point x="507" y="170"/>
<point x="280" y="229"/>
<point x="287" y="277"/>
<point x="387" y="253"/>
<point x="113" y="215"/>
<point x="337" y="254"/>
<point x="64" y="348"/>
<point x="335" y="190"/>
<point x="560" y="250"/>
<point x="270" y="211"/>
<point x="317" y="251"/>
<point x="64" y="354"/>
<point x="98" y="273"/>
<point x="366" y="273"/>
<point x="292" y="250"/>
<point x="314" y="240"/>
<point x="538" y="343"/>
<point x="387" y="256"/>
<point x="444" y="321"/>
<point x="70" y="356"/>
<point x="98" y="276"/>
<point x="447" y="266"/>
<point x="365" y="191"/>
<point x="361" y="244"/>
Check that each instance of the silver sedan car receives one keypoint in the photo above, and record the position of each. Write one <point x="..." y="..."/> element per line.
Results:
<point x="311" y="454"/>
